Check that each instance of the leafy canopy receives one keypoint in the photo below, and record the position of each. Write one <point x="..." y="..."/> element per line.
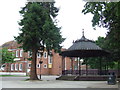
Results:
<point x="7" y="56"/>
<point x="107" y="14"/>
<point x="94" y="62"/>
<point x="39" y="29"/>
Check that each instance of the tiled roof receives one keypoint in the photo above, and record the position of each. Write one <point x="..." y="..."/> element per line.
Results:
<point x="84" y="44"/>
<point x="10" y="44"/>
<point x="84" y="48"/>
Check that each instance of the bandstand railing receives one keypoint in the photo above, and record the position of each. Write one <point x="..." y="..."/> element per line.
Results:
<point x="89" y="72"/>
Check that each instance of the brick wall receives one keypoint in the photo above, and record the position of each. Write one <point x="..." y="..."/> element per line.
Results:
<point x="47" y="68"/>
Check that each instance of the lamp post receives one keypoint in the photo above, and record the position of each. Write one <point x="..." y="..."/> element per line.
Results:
<point x="40" y="67"/>
<point x="26" y="65"/>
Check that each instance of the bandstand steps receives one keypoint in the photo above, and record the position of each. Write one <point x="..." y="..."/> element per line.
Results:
<point x="91" y="78"/>
<point x="83" y="78"/>
<point x="69" y="78"/>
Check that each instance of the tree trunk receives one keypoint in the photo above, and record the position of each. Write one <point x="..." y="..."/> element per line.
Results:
<point x="9" y="65"/>
<point x="7" y="69"/>
<point x="33" y="74"/>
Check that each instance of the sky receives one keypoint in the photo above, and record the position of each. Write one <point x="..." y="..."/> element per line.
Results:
<point x="70" y="18"/>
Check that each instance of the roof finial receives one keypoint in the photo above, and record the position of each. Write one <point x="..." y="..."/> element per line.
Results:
<point x="73" y="41"/>
<point x="83" y="32"/>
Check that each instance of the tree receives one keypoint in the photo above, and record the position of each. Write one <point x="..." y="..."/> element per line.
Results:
<point x="107" y="14"/>
<point x="39" y="30"/>
<point x="95" y="62"/>
<point x="7" y="56"/>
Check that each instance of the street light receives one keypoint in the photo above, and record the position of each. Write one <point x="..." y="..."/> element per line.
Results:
<point x="40" y="67"/>
<point x="26" y="61"/>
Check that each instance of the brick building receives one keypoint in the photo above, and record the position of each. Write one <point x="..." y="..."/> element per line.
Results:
<point x="52" y="65"/>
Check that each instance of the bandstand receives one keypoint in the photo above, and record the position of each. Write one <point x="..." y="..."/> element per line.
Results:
<point x="82" y="48"/>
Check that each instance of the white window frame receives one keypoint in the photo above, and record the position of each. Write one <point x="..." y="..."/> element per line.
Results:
<point x="76" y="59"/>
<point x="49" y="59"/>
<point x="29" y="54"/>
<point x="29" y="65"/>
<point x="45" y="54"/>
<point x="17" y="53"/>
<point x="76" y="67"/>
<point x="13" y="54"/>
<point x="12" y="67"/>
<point x="38" y="66"/>
<point x="38" y="55"/>
<point x="3" y="67"/>
<point x="16" y="67"/>
<point x="45" y="66"/>
<point x="65" y="64"/>
<point x="21" y="53"/>
<point x="20" y="67"/>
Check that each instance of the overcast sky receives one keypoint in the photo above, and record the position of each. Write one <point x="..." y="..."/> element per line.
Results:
<point x="70" y="19"/>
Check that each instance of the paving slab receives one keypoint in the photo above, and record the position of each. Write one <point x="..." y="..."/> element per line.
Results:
<point x="51" y="82"/>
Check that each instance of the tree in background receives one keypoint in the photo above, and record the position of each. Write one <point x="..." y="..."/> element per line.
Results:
<point x="7" y="56"/>
<point x="104" y="62"/>
<point x="39" y="30"/>
<point x="107" y="15"/>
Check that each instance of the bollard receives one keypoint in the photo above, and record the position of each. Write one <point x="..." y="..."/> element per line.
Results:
<point x="112" y="79"/>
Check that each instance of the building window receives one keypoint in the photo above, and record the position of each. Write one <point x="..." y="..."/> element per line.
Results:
<point x="45" y="54"/>
<point x="17" y="53"/>
<point x="12" y="67"/>
<point x="29" y="54"/>
<point x="21" y="53"/>
<point x="38" y="55"/>
<point x="3" y="67"/>
<point x="76" y="67"/>
<point x="16" y="66"/>
<point x="20" y="67"/>
<point x="13" y="54"/>
<point x="45" y="65"/>
<point x="76" y="59"/>
<point x="29" y="65"/>
<point x="50" y="59"/>
<point x="38" y="65"/>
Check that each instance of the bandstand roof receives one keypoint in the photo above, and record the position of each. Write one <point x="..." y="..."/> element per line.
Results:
<point x="84" y="48"/>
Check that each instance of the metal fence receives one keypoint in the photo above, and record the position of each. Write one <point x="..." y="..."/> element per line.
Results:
<point x="89" y="72"/>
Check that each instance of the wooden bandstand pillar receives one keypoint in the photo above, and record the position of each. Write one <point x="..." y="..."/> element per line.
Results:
<point x="72" y="66"/>
<point x="86" y="68"/>
<point x="100" y="67"/>
<point x="79" y="67"/>
<point x="63" y="65"/>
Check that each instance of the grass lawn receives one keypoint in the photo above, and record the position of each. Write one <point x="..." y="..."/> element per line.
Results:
<point x="12" y="76"/>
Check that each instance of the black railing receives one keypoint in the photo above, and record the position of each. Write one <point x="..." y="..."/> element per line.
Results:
<point x="88" y="72"/>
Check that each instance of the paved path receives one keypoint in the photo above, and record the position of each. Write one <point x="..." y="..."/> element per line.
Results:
<point x="50" y="82"/>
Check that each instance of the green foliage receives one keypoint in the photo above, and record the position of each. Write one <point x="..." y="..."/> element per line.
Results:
<point x="104" y="13"/>
<point x="12" y="76"/>
<point x="7" y="56"/>
<point x="100" y="42"/>
<point x="107" y="15"/>
<point x="29" y="59"/>
<point x="95" y="62"/>
<point x="38" y="27"/>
